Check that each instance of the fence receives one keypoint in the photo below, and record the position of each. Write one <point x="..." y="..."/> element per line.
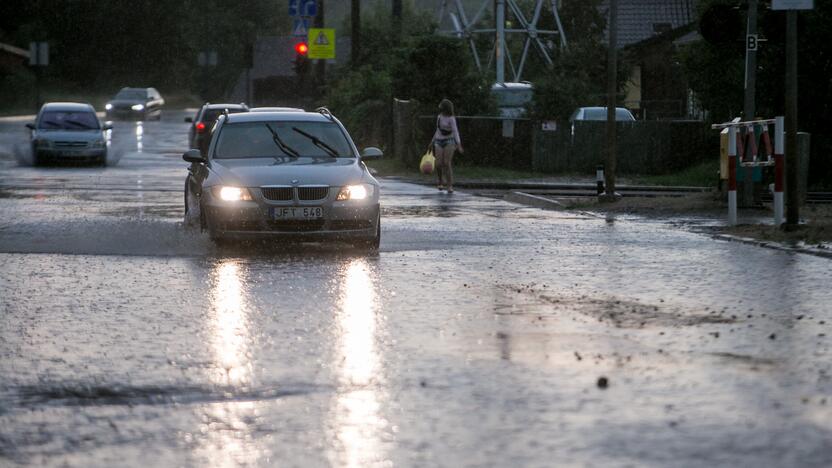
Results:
<point x="644" y="147"/>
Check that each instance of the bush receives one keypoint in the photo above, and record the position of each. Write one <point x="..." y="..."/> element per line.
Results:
<point x="435" y="68"/>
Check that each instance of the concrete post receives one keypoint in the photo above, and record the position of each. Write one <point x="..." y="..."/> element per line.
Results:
<point x="732" y="175"/>
<point x="779" y="176"/>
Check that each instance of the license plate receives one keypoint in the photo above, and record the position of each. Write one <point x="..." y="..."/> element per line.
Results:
<point x="297" y="212"/>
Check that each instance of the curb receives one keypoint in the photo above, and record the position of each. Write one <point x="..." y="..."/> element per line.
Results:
<point x="818" y="252"/>
<point x="533" y="200"/>
<point x="554" y="186"/>
<point x="549" y="204"/>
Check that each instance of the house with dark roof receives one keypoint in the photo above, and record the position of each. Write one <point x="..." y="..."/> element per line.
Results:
<point x="649" y="35"/>
<point x="12" y="58"/>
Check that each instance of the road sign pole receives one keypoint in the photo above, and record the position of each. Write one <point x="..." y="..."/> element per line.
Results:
<point x="747" y="198"/>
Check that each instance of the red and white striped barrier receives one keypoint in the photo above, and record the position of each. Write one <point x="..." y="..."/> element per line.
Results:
<point x="737" y="159"/>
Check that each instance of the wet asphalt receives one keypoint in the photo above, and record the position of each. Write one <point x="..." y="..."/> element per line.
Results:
<point x="483" y="333"/>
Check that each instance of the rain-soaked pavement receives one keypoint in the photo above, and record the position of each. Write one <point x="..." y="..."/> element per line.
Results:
<point x="477" y="336"/>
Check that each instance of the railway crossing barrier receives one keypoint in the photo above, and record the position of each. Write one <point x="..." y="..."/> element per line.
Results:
<point x="738" y="156"/>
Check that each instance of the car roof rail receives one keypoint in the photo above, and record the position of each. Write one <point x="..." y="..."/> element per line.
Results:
<point x="325" y="112"/>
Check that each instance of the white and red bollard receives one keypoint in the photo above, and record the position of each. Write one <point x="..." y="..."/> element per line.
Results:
<point x="732" y="175"/>
<point x="779" y="170"/>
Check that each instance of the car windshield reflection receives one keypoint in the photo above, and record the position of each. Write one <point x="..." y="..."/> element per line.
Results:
<point x="62" y="120"/>
<point x="281" y="139"/>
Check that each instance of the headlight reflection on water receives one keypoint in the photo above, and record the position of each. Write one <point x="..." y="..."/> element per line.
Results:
<point x="357" y="420"/>
<point x="226" y="436"/>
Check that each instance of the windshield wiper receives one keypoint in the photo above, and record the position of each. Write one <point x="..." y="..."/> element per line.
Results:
<point x="317" y="142"/>
<point x="51" y="122"/>
<point x="288" y="150"/>
<point x="80" y="124"/>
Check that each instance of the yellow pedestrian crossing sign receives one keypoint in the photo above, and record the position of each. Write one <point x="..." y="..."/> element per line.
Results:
<point x="321" y="43"/>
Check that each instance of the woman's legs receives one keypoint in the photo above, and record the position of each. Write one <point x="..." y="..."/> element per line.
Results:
<point x="447" y="165"/>
<point x="437" y="153"/>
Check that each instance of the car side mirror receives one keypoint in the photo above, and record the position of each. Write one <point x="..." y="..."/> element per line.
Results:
<point x="107" y="126"/>
<point x="193" y="156"/>
<point x="370" y="153"/>
<point x="30" y="126"/>
<point x="189" y="119"/>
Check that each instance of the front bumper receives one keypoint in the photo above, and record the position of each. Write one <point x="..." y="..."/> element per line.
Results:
<point x="83" y="153"/>
<point x="245" y="220"/>
<point x="125" y="114"/>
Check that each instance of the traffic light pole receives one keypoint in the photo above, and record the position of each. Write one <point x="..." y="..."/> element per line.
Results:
<point x="319" y="23"/>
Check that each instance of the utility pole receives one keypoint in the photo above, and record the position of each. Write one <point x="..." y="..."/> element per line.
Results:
<point x="792" y="201"/>
<point x="612" y="90"/>
<point x="747" y="198"/>
<point x="500" y="45"/>
<point x="355" y="40"/>
<point x="397" y="19"/>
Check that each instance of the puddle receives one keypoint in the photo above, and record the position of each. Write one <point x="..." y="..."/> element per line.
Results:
<point x="421" y="211"/>
<point x="95" y="394"/>
<point x="621" y="313"/>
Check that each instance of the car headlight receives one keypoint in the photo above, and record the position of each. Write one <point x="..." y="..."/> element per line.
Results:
<point x="108" y="106"/>
<point x="228" y="193"/>
<point x="355" y="192"/>
<point x="138" y="107"/>
<point x="98" y="144"/>
<point x="42" y="143"/>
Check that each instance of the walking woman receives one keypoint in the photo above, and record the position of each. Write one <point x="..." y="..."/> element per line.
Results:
<point x="445" y="141"/>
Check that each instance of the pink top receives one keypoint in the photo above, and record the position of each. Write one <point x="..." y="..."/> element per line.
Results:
<point x="447" y="123"/>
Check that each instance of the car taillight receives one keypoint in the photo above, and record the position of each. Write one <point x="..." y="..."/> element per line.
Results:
<point x="200" y="127"/>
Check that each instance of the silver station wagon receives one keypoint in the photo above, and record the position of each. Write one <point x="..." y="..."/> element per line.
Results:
<point x="283" y="175"/>
<point x="68" y="130"/>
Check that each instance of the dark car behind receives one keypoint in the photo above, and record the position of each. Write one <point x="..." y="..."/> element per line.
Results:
<point x="199" y="133"/>
<point x="135" y="104"/>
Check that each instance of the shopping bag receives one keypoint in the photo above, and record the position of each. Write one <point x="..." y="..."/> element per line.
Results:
<point x="428" y="162"/>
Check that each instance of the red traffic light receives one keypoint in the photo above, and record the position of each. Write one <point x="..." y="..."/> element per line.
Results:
<point x="301" y="48"/>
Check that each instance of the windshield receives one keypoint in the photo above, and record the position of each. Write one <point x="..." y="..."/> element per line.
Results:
<point x="281" y="139"/>
<point x="132" y="94"/>
<point x="600" y="113"/>
<point x="63" y="120"/>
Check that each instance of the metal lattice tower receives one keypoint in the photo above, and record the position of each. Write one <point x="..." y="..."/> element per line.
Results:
<point x="468" y="29"/>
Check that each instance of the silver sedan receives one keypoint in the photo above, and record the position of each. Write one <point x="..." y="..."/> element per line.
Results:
<point x="283" y="175"/>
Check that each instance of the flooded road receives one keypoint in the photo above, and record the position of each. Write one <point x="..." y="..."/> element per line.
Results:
<point x="483" y="333"/>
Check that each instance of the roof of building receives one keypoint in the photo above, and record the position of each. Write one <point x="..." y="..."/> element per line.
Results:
<point x="14" y="50"/>
<point x="641" y="20"/>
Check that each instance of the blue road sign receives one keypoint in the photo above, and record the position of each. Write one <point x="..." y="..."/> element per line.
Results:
<point x="303" y="8"/>
<point x="300" y="27"/>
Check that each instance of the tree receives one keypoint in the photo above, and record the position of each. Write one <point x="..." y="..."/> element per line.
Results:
<point x="578" y="75"/>
<point x="716" y="74"/>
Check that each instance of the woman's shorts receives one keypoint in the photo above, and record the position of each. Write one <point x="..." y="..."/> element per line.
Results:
<point x="444" y="142"/>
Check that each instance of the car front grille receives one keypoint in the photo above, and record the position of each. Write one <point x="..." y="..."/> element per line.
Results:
<point x="306" y="193"/>
<point x="277" y="193"/>
<point x="71" y="144"/>
<point x="312" y="193"/>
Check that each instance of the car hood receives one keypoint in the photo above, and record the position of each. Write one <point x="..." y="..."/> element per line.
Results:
<point x="257" y="172"/>
<point x="67" y="135"/>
